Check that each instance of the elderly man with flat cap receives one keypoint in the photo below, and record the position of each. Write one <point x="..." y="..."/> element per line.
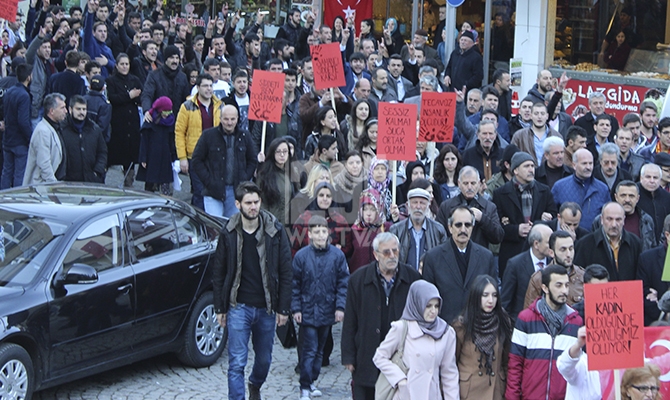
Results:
<point x="521" y="201"/>
<point x="417" y="234"/>
<point x="663" y="161"/>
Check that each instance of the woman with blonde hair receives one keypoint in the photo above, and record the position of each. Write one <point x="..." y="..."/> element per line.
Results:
<point x="641" y="383"/>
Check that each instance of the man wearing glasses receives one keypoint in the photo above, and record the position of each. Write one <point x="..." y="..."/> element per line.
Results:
<point x="376" y="296"/>
<point x="452" y="266"/>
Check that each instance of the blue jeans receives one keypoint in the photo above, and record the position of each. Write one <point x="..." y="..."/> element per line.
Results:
<point x="14" y="166"/>
<point x="229" y="208"/>
<point x="243" y="320"/>
<point x="311" y="341"/>
<point x="196" y="188"/>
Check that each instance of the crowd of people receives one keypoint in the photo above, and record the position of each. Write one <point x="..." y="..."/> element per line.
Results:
<point x="480" y="252"/>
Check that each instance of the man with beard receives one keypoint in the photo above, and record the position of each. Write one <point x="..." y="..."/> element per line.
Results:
<point x="417" y="234"/>
<point x="354" y="71"/>
<point x="553" y="168"/>
<point x="531" y="139"/>
<point x="660" y="144"/>
<point x="487" y="229"/>
<point x="541" y="87"/>
<point x="85" y="148"/>
<point x="582" y="188"/>
<point x="532" y="371"/>
<point x="607" y="170"/>
<point x="520" y="202"/>
<point x="168" y="81"/>
<point x="397" y="82"/>
<point x="291" y="29"/>
<point x="629" y="160"/>
<point x="452" y="266"/>
<point x="253" y="247"/>
<point x="501" y="82"/>
<point x="637" y="221"/>
<point x="487" y="150"/>
<point x="45" y="162"/>
<point x="649" y="116"/>
<point x="597" y="247"/>
<point x="562" y="247"/>
<point x="380" y="88"/>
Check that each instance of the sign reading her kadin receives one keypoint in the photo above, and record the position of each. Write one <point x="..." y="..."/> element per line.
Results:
<point x="396" y="139"/>
<point x="437" y="116"/>
<point x="328" y="67"/>
<point x="266" y="96"/>
<point x="614" y="325"/>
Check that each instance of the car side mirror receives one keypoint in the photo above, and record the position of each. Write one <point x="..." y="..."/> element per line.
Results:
<point x="80" y="274"/>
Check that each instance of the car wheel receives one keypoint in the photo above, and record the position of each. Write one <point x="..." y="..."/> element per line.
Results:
<point x="16" y="372"/>
<point x="204" y="338"/>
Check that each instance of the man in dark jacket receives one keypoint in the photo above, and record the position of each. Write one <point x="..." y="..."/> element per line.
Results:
<point x="224" y="156"/>
<point x="146" y="62"/>
<point x="486" y="152"/>
<point x="18" y="130"/>
<point x="85" y="148"/>
<point x="98" y="108"/>
<point x="597" y="107"/>
<point x="487" y="229"/>
<point x="376" y="297"/>
<point x="653" y="199"/>
<point x="552" y="168"/>
<point x="168" y="81"/>
<point x="650" y="272"/>
<point x="251" y="292"/>
<point x="465" y="67"/>
<point x="291" y="29"/>
<point x="596" y="247"/>
<point x="68" y="82"/>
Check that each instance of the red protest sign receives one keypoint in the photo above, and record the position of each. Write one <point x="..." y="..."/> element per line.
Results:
<point x="267" y="94"/>
<point x="438" y="112"/>
<point x="8" y="9"/>
<point x="328" y="67"/>
<point x="614" y="325"/>
<point x="396" y="138"/>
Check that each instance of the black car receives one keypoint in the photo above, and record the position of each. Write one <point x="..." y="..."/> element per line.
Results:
<point x="93" y="277"/>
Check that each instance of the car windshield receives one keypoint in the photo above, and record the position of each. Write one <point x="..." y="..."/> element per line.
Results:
<point x="27" y="241"/>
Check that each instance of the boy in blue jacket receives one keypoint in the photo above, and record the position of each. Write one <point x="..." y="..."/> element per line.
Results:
<point x="320" y="277"/>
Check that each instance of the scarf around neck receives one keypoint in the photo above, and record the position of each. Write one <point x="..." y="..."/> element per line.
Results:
<point x="420" y="293"/>
<point x="554" y="318"/>
<point x="485" y="337"/>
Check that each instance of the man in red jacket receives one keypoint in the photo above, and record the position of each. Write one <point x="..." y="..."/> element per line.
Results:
<point x="542" y="332"/>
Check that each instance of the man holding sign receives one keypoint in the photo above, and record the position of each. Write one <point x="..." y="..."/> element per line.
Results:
<point x="542" y="332"/>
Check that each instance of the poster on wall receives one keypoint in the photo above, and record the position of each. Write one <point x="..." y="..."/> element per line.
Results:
<point x="515" y="71"/>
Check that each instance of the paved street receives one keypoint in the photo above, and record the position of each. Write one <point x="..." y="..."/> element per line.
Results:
<point x="164" y="377"/>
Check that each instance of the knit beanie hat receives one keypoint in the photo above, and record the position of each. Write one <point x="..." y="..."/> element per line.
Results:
<point x="170" y="51"/>
<point x="469" y="34"/>
<point x="520" y="158"/>
<point x="161" y="104"/>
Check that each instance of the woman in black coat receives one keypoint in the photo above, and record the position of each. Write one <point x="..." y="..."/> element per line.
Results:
<point x="123" y="92"/>
<point x="157" y="148"/>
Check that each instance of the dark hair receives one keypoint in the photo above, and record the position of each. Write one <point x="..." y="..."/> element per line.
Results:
<point x="267" y="172"/>
<point x="77" y="99"/>
<point x="663" y="123"/>
<point x="440" y="172"/>
<point x="17" y="46"/>
<point x="498" y="74"/>
<point x="630" y="117"/>
<point x="245" y="188"/>
<point x="357" y="56"/>
<point x="488" y="89"/>
<point x="198" y="37"/>
<point x="573" y="132"/>
<point x="275" y="61"/>
<point x="601" y="117"/>
<point x="145" y="44"/>
<point x="75" y="8"/>
<point x="72" y="58"/>
<point x="395" y="57"/>
<point x="317" y="221"/>
<point x="210" y="62"/>
<point x="364" y="140"/>
<point x="280" y="44"/>
<point x="90" y="65"/>
<point x="353" y="111"/>
<point x="490" y="111"/>
<point x="625" y="183"/>
<point x="320" y="116"/>
<point x="595" y="271"/>
<point x="572" y="206"/>
<point x="134" y="15"/>
<point x="352" y="153"/>
<point x="371" y="23"/>
<point x="557" y="235"/>
<point x="251" y="37"/>
<point x="530" y="99"/>
<point x="104" y="4"/>
<point x="224" y="64"/>
<point x="325" y="142"/>
<point x="188" y="68"/>
<point x="552" y="269"/>
<point x="240" y="73"/>
<point x="146" y="30"/>
<point x="472" y="311"/>
<point x="202" y="77"/>
<point x="23" y="71"/>
<point x="291" y="72"/>
<point x="157" y="27"/>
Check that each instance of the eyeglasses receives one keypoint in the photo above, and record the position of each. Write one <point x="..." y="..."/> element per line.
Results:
<point x="388" y="252"/>
<point x="282" y="152"/>
<point x="460" y="224"/>
<point x="645" y="389"/>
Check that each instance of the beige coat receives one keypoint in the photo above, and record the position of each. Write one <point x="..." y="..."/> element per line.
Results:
<point x="431" y="362"/>
<point x="474" y="383"/>
<point x="44" y="155"/>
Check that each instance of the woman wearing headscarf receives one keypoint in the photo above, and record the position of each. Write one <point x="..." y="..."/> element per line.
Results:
<point x="430" y="345"/>
<point x="484" y="334"/>
<point x="393" y="39"/>
<point x="379" y="178"/>
<point x="157" y="148"/>
<point x="368" y="225"/>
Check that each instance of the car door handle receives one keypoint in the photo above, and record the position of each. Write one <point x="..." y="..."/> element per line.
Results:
<point x="125" y="288"/>
<point x="195" y="268"/>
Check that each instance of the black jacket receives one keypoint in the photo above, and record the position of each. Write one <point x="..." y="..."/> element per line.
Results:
<point x="99" y="111"/>
<point x="508" y="200"/>
<point x="363" y="328"/>
<point x="541" y="173"/>
<point x="465" y="69"/>
<point x="159" y="84"/>
<point x="515" y="280"/>
<point x="474" y="156"/>
<point x="594" y="249"/>
<point x="67" y="83"/>
<point x="487" y="231"/>
<point x="649" y="272"/>
<point x="586" y="122"/>
<point x="657" y="205"/>
<point x="621" y="175"/>
<point x="86" y="152"/>
<point x="141" y="67"/>
<point x="209" y="160"/>
<point x="277" y="268"/>
<point x="124" y="143"/>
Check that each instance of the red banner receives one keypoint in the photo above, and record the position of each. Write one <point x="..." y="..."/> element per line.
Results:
<point x="328" y="67"/>
<point x="397" y="132"/>
<point x="619" y="100"/>
<point x="360" y="9"/>
<point x="8" y="10"/>
<point x="438" y="111"/>
<point x="267" y="95"/>
<point x="614" y="325"/>
<point x="657" y="348"/>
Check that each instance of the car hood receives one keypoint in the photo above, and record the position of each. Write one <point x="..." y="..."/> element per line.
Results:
<point x="8" y="292"/>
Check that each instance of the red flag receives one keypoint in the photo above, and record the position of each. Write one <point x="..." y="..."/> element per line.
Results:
<point x="345" y="8"/>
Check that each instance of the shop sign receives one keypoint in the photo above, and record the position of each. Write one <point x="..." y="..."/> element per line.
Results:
<point x="619" y="99"/>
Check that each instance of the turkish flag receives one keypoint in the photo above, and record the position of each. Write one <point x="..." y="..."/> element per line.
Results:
<point x="345" y="8"/>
